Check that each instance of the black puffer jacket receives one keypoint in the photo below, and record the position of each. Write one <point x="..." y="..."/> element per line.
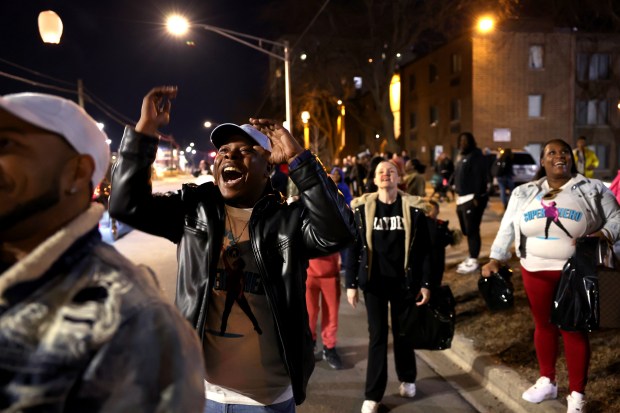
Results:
<point x="283" y="238"/>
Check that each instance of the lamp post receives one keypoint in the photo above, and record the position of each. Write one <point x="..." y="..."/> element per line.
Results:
<point x="178" y="25"/>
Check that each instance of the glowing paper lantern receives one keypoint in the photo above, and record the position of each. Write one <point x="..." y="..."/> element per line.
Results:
<point x="50" y="27"/>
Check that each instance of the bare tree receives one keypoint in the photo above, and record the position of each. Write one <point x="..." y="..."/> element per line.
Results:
<point x="368" y="39"/>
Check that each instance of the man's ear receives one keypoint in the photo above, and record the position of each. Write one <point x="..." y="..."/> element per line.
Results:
<point x="81" y="173"/>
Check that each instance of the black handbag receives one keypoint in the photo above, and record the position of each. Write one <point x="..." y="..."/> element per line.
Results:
<point x="608" y="272"/>
<point x="576" y="304"/>
<point x="430" y="326"/>
<point x="497" y="289"/>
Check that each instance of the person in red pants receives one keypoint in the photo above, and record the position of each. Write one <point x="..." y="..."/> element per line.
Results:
<point x="578" y="206"/>
<point x="323" y="293"/>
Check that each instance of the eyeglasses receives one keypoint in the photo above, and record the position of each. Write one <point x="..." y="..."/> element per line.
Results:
<point x="551" y="194"/>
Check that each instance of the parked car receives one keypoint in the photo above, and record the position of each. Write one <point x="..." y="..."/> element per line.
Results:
<point x="524" y="167"/>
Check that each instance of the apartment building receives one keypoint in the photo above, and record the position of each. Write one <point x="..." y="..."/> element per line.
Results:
<point x="515" y="88"/>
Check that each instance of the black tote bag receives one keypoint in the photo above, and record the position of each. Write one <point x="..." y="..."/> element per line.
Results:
<point x="576" y="306"/>
<point x="430" y="326"/>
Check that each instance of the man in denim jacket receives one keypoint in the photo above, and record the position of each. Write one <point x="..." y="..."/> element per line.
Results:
<point x="81" y="328"/>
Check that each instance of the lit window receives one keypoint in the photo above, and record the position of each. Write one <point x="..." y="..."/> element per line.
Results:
<point x="601" y="152"/>
<point x="534" y="106"/>
<point x="599" y="67"/>
<point x="357" y="81"/>
<point x="592" y="112"/>
<point x="593" y="67"/>
<point x="536" y="57"/>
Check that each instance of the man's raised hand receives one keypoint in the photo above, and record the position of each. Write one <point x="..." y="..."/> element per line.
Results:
<point x="284" y="146"/>
<point x="156" y="109"/>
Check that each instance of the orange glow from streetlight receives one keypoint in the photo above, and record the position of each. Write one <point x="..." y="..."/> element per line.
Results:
<point x="486" y="24"/>
<point x="177" y="25"/>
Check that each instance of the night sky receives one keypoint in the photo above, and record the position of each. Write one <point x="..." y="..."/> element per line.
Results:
<point x="120" y="49"/>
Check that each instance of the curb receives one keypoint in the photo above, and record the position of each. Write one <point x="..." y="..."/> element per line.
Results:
<point x="501" y="381"/>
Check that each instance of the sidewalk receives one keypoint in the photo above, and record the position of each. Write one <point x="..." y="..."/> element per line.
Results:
<point x="503" y="382"/>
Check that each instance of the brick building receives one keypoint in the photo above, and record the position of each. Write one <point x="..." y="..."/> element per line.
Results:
<point x="515" y="88"/>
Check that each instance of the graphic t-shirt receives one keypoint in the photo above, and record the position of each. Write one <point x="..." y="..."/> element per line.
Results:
<point x="388" y="240"/>
<point x="551" y="227"/>
<point x="240" y="346"/>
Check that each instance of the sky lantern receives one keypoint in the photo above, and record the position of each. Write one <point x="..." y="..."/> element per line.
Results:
<point x="50" y="27"/>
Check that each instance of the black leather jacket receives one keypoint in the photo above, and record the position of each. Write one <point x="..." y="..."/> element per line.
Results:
<point x="283" y="238"/>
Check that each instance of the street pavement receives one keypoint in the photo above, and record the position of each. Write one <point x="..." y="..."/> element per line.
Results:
<point x="455" y="380"/>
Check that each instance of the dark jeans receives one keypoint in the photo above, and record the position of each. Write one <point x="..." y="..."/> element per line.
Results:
<point x="379" y="292"/>
<point x="505" y="182"/>
<point x="470" y="216"/>
<point x="284" y="407"/>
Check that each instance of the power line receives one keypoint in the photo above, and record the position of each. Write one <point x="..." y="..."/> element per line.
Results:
<point x="94" y="100"/>
<point x="316" y="16"/>
<point x="34" y="72"/>
<point x="39" y="84"/>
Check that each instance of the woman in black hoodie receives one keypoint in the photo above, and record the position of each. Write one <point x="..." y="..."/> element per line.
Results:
<point x="470" y="183"/>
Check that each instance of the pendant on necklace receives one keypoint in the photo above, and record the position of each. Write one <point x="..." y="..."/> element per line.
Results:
<point x="233" y="252"/>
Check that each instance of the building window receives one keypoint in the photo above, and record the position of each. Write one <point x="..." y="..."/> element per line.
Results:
<point x="534" y="106"/>
<point x="456" y="64"/>
<point x="432" y="73"/>
<point x="593" y="67"/>
<point x="433" y="115"/>
<point x="592" y="112"/>
<point x="455" y="110"/>
<point x="601" y="152"/>
<point x="413" y="120"/>
<point x="536" y="57"/>
<point x="411" y="83"/>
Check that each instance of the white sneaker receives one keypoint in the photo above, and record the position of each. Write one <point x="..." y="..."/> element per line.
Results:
<point x="467" y="266"/>
<point x="542" y="390"/>
<point x="370" y="406"/>
<point x="576" y="403"/>
<point x="407" y="389"/>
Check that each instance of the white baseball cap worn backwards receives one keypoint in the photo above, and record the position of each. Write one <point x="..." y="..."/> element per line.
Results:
<point x="65" y="118"/>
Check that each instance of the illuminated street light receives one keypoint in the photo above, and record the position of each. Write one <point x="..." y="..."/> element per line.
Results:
<point x="486" y="24"/>
<point x="179" y="25"/>
<point x="305" y="117"/>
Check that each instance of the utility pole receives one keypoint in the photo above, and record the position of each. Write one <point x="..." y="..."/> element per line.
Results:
<point x="80" y="91"/>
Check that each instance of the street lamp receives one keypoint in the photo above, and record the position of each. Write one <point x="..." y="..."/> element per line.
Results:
<point x="485" y="24"/>
<point x="305" y="117"/>
<point x="179" y="25"/>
